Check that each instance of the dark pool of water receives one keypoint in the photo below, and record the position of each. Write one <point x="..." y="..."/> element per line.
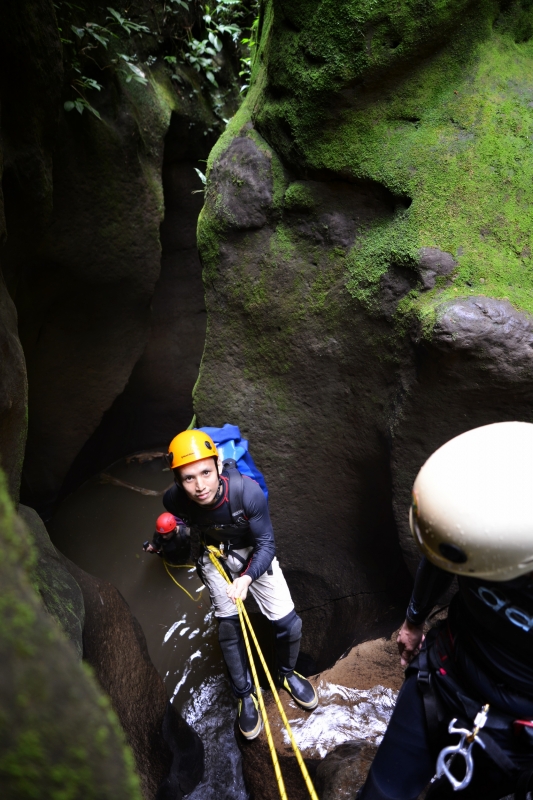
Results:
<point x="101" y="527"/>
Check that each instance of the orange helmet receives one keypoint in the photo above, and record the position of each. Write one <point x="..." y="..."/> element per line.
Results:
<point x="190" y="446"/>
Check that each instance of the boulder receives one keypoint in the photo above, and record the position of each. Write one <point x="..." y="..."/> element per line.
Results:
<point x="13" y="393"/>
<point x="84" y="199"/>
<point x="343" y="771"/>
<point x="59" y="591"/>
<point x="58" y="732"/>
<point x="367" y="262"/>
<point x="168" y="753"/>
<point x="474" y="366"/>
<point x="339" y="739"/>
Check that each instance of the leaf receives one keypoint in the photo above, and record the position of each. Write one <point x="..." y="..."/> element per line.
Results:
<point x="99" y="38"/>
<point x="89" y="83"/>
<point x="201" y="175"/>
<point x="135" y="69"/>
<point x="93" y="110"/>
<point x="117" y="16"/>
<point x="170" y="59"/>
<point x="80" y="32"/>
<point x="211" y="77"/>
<point x="69" y="105"/>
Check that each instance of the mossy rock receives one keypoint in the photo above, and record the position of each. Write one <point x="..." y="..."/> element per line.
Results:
<point x="59" y="591"/>
<point x="383" y="304"/>
<point x="59" y="737"/>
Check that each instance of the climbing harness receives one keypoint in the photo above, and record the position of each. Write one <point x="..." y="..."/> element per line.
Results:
<point x="490" y="719"/>
<point x="463" y="748"/>
<point x="178" y="566"/>
<point x="214" y="554"/>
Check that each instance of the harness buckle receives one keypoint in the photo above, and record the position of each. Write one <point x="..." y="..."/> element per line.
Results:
<point x="463" y="748"/>
<point x="221" y="550"/>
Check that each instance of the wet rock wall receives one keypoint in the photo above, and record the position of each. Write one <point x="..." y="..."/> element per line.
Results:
<point x="88" y="202"/>
<point x="98" y="255"/>
<point x="57" y="730"/>
<point x="367" y="262"/>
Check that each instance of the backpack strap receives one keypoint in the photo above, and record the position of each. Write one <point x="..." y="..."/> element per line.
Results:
<point x="236" y="506"/>
<point x="235" y="492"/>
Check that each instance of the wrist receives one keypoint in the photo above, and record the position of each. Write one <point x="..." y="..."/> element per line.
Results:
<point x="412" y="626"/>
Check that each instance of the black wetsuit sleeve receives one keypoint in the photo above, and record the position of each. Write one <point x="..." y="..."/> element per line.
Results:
<point x="262" y="535"/>
<point x="430" y="584"/>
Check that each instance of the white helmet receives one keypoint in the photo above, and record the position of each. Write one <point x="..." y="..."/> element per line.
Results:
<point x="472" y="510"/>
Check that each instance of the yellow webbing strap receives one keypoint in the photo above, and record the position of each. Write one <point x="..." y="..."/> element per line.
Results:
<point x="177" y="566"/>
<point x="243" y="615"/>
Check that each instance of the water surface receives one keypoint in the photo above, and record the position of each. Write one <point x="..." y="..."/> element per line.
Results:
<point x="101" y="527"/>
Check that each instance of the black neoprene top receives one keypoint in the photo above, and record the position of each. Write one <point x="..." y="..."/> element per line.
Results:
<point x="492" y="620"/>
<point x="210" y="520"/>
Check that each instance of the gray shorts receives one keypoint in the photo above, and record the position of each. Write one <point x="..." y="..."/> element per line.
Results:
<point x="270" y="591"/>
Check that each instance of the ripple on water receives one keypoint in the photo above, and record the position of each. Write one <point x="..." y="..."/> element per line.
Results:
<point x="211" y="712"/>
<point x="110" y="523"/>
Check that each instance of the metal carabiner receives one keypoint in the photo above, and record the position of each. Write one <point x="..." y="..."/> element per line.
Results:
<point x="463" y="748"/>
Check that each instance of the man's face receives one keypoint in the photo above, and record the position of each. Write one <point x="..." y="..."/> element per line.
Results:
<point x="200" y="480"/>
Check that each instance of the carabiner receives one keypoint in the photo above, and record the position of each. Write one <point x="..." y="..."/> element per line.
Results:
<point x="462" y="748"/>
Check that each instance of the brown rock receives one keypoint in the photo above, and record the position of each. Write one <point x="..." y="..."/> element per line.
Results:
<point x="370" y="664"/>
<point x="115" y="647"/>
<point x="343" y="771"/>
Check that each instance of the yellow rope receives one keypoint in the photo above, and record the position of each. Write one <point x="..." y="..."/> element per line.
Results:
<point x="301" y="762"/>
<point x="268" y="732"/>
<point x="243" y="615"/>
<point x="177" y="566"/>
<point x="271" y="747"/>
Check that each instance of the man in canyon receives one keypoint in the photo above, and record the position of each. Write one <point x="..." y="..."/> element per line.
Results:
<point x="230" y="512"/>
<point x="472" y="516"/>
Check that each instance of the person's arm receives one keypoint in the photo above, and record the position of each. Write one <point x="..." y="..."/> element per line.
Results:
<point x="430" y="584"/>
<point x="154" y="546"/>
<point x="256" y="509"/>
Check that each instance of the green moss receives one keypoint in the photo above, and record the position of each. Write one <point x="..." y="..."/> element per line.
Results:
<point x="452" y="132"/>
<point x="52" y="740"/>
<point x="298" y="197"/>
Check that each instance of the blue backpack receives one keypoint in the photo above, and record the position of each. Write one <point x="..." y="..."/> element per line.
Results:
<point x="231" y="446"/>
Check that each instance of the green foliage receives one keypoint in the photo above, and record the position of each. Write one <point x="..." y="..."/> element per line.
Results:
<point x="197" y="34"/>
<point x="91" y="38"/>
<point x="225" y="18"/>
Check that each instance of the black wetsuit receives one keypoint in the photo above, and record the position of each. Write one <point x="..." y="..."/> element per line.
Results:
<point x="216" y="524"/>
<point x="175" y="547"/>
<point x="491" y="620"/>
<point x="485" y="647"/>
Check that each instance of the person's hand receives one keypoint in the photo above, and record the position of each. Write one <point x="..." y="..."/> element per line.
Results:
<point x="239" y="588"/>
<point x="151" y="549"/>
<point x="409" y="640"/>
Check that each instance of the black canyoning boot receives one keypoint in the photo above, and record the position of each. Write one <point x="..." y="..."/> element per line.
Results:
<point x="248" y="717"/>
<point x="300" y="689"/>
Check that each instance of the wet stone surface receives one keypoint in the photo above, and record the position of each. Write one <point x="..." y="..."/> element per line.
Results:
<point x="101" y="528"/>
<point x="343" y="714"/>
